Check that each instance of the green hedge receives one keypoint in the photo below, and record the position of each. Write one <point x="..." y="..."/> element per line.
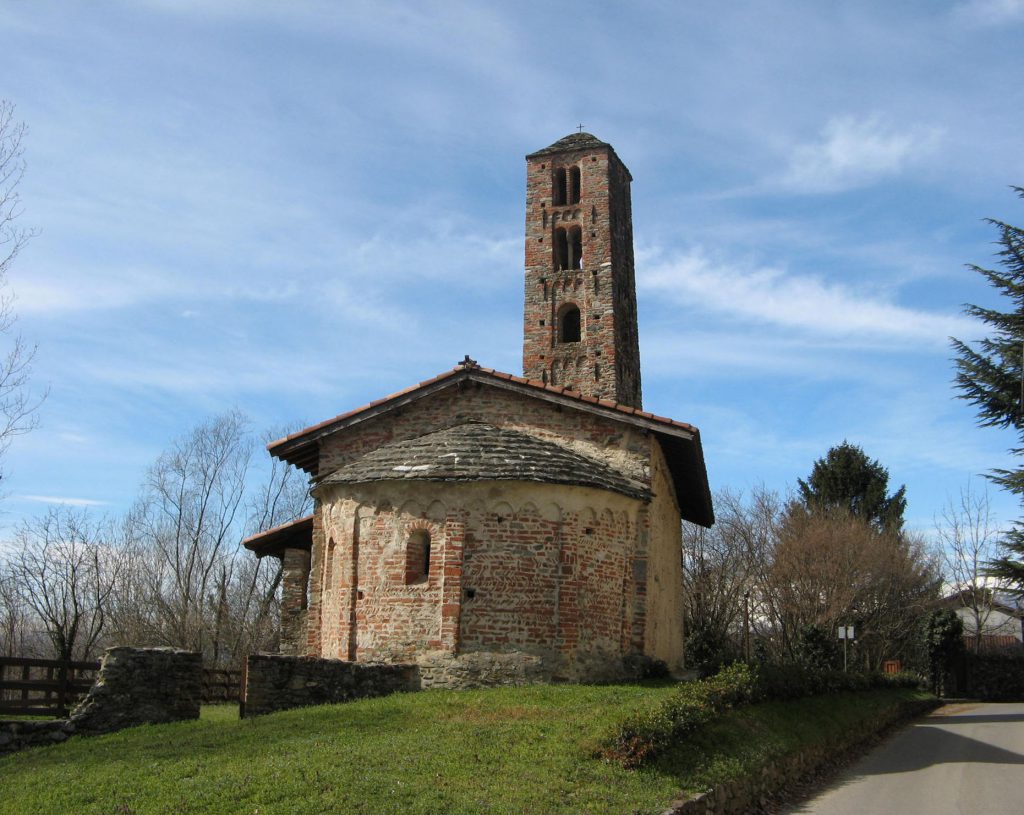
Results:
<point x="995" y="677"/>
<point x="644" y="734"/>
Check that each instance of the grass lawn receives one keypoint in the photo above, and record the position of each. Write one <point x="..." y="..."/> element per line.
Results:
<point x="503" y="750"/>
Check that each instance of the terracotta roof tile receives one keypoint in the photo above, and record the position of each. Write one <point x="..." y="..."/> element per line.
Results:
<point x="501" y="375"/>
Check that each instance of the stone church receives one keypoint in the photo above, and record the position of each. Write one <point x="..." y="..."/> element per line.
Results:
<point x="496" y="528"/>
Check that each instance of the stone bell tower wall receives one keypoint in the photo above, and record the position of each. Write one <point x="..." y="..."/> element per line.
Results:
<point x="580" y="320"/>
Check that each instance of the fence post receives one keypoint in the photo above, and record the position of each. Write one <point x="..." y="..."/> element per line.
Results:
<point x="62" y="690"/>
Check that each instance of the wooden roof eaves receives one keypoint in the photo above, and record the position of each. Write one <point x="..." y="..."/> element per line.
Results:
<point x="295" y="534"/>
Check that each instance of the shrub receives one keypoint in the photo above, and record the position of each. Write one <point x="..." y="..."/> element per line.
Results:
<point x="694" y="704"/>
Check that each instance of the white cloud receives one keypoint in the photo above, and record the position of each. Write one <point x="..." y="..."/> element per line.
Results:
<point x="71" y="502"/>
<point x="854" y="152"/>
<point x="804" y="303"/>
<point x="989" y="12"/>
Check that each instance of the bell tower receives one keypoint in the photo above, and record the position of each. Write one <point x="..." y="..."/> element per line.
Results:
<point x="580" y="327"/>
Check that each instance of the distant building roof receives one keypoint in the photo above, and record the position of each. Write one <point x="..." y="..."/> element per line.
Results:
<point x="476" y="451"/>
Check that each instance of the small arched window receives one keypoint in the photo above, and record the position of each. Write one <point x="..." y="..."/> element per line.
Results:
<point x="568" y="248"/>
<point x="417" y="556"/>
<point x="559" y="191"/>
<point x="573" y="184"/>
<point x="569" y="324"/>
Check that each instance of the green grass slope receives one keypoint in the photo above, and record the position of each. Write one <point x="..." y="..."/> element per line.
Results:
<point x="506" y="750"/>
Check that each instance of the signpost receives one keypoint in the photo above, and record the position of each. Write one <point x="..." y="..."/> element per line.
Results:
<point x="845" y="633"/>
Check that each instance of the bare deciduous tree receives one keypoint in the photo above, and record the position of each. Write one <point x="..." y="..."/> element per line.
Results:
<point x="832" y="568"/>
<point x="969" y="538"/>
<point x="17" y="405"/>
<point x="188" y="524"/>
<point x="65" y="570"/>
<point x="723" y="567"/>
<point x="14" y="634"/>
<point x="281" y="497"/>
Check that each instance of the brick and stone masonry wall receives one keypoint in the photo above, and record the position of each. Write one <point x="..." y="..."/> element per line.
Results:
<point x="521" y="570"/>
<point x="276" y="682"/>
<point x="606" y="361"/>
<point x="141" y="686"/>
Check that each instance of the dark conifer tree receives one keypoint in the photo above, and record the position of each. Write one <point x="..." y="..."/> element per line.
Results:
<point x="990" y="375"/>
<point x="847" y="479"/>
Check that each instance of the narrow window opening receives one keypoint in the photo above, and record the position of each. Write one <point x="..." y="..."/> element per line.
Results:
<point x="561" y="249"/>
<point x="558" y="194"/>
<point x="329" y="565"/>
<point x="417" y="556"/>
<point x="569" y="324"/>
<point x="574" y="185"/>
<point x="574" y="246"/>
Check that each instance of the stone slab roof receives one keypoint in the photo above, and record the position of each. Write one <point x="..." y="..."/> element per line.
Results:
<point x="574" y="141"/>
<point x="477" y="451"/>
<point x="680" y="441"/>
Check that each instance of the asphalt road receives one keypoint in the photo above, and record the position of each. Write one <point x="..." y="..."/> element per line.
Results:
<point x="963" y="759"/>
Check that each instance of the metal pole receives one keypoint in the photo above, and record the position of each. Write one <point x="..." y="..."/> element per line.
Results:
<point x="746" y="625"/>
<point x="845" y="638"/>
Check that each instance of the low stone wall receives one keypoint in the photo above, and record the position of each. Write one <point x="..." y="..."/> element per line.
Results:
<point x="278" y="682"/>
<point x="21" y="735"/>
<point x="480" y="670"/>
<point x="750" y="794"/>
<point x="141" y="686"/>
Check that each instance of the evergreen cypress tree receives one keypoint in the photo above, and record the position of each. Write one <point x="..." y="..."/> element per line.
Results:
<point x="990" y="375"/>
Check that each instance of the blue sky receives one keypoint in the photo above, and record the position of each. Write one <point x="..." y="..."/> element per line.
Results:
<point x="295" y="208"/>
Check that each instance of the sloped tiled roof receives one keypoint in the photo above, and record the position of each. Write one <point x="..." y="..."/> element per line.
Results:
<point x="574" y="141"/>
<point x="476" y="451"/>
<point x="680" y="441"/>
<point x="297" y="534"/>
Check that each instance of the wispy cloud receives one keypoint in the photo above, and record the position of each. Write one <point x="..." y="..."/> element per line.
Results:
<point x="989" y="12"/>
<point x="804" y="303"/>
<point x="66" y="501"/>
<point x="853" y="152"/>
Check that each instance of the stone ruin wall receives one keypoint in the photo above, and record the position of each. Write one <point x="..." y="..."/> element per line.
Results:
<point x="134" y="686"/>
<point x="141" y="686"/>
<point x="275" y="682"/>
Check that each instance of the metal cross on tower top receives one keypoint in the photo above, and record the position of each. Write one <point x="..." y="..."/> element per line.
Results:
<point x="580" y="127"/>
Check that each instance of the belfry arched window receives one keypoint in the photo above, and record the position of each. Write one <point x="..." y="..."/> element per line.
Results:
<point x="569" y="323"/>
<point x="565" y="186"/>
<point x="568" y="248"/>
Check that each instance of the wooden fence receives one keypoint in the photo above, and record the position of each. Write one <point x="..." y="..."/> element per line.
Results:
<point x="47" y="687"/>
<point x="50" y="687"/>
<point x="221" y="685"/>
